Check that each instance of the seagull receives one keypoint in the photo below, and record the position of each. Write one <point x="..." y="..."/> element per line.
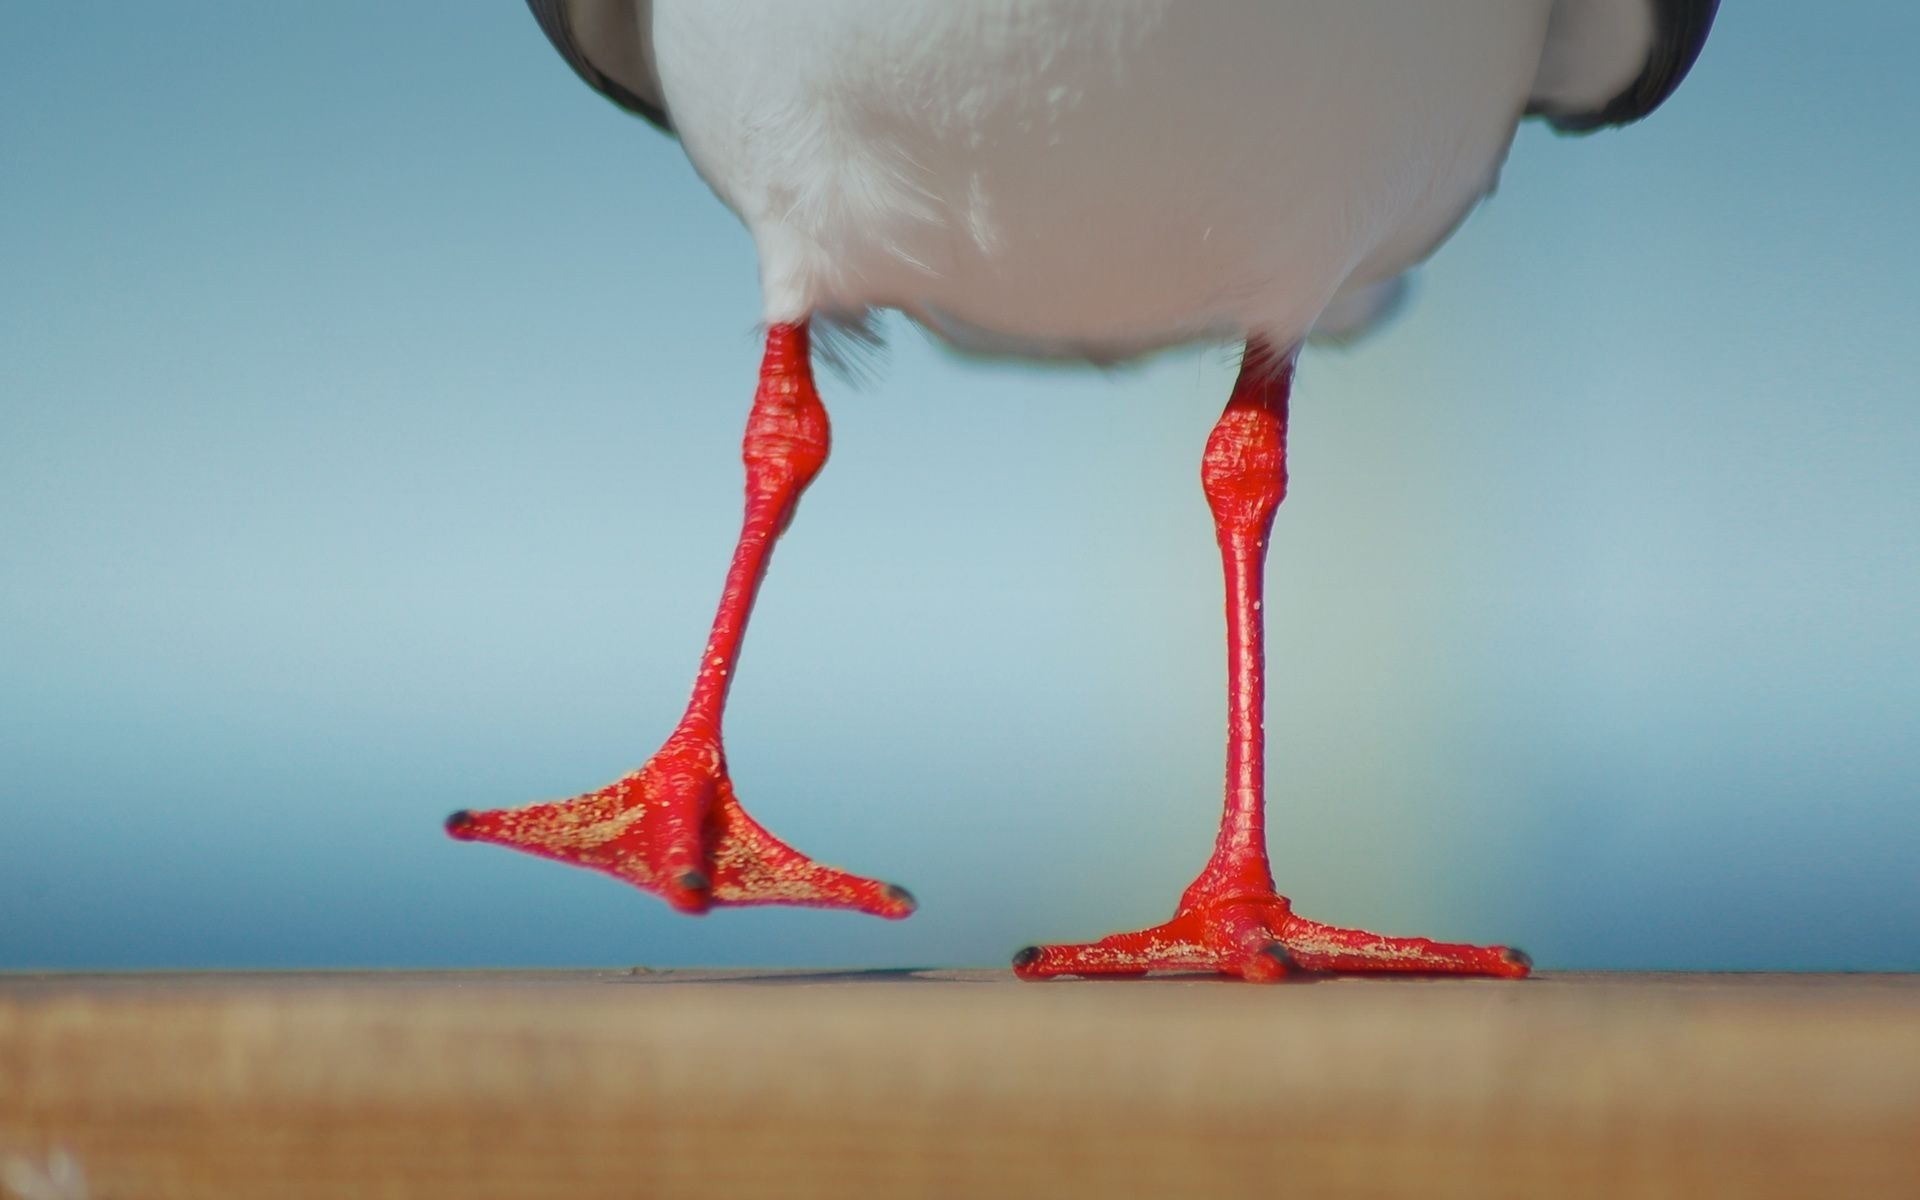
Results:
<point x="1088" y="180"/>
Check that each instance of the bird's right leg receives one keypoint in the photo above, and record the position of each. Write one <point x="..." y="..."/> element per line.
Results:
<point x="674" y="826"/>
<point x="1230" y="919"/>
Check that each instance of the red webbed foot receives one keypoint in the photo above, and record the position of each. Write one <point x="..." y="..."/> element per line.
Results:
<point x="1259" y="938"/>
<point x="674" y="828"/>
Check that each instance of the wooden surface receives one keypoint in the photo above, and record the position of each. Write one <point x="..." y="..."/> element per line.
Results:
<point x="605" y="1083"/>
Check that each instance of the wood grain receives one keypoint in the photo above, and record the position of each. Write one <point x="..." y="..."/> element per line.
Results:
<point x="955" y="1083"/>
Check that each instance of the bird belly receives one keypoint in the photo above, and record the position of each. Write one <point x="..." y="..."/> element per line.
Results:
<point x="1093" y="178"/>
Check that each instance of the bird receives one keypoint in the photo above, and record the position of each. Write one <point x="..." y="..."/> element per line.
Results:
<point x="1080" y="180"/>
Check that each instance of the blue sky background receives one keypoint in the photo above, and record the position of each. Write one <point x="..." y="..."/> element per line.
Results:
<point x="369" y="403"/>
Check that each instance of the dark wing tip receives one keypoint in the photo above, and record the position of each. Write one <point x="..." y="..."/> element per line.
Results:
<point x="1680" y="31"/>
<point x="552" y="15"/>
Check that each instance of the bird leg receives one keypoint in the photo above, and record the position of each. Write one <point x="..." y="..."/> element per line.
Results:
<point x="1230" y="920"/>
<point x="674" y="827"/>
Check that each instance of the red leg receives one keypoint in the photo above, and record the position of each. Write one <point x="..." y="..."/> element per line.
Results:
<point x="674" y="827"/>
<point x="1230" y="920"/>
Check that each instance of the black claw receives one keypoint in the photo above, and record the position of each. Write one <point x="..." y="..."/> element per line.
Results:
<point x="1518" y="957"/>
<point x="900" y="895"/>
<point x="458" y="821"/>
<point x="692" y="881"/>
<point x="1026" y="957"/>
<point x="1279" y="954"/>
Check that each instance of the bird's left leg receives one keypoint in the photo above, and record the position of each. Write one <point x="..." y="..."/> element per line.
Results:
<point x="674" y="827"/>
<point x="1230" y="919"/>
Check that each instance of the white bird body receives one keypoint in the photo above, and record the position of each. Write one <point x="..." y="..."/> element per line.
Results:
<point x="1097" y="178"/>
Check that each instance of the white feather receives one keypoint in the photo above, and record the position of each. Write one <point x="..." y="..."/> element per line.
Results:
<point x="1594" y="50"/>
<point x="1094" y="178"/>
